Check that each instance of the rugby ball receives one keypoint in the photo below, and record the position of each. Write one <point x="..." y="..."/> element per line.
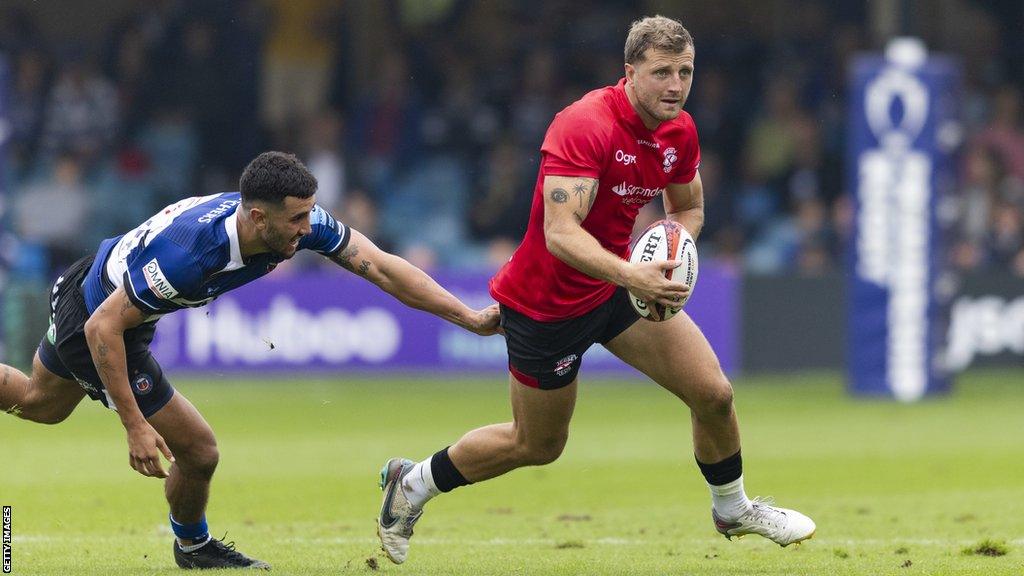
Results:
<point x="661" y="241"/>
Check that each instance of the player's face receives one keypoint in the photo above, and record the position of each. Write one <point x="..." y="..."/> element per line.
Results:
<point x="287" y="224"/>
<point x="661" y="83"/>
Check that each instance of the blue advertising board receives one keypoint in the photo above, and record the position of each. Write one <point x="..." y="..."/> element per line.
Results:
<point x="903" y="132"/>
<point x="335" y="321"/>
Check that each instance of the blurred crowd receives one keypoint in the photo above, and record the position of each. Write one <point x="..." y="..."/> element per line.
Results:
<point x="428" y="142"/>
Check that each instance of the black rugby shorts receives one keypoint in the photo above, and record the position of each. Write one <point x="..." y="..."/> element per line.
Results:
<point x="548" y="355"/>
<point x="65" y="352"/>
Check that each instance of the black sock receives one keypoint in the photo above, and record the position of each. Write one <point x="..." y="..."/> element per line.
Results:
<point x="446" y="476"/>
<point x="722" y="472"/>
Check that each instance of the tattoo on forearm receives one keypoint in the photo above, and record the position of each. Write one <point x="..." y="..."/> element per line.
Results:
<point x="102" y="363"/>
<point x="125" y="304"/>
<point x="579" y="217"/>
<point x="593" y="195"/>
<point x="559" y="196"/>
<point x="346" y="256"/>
<point x="364" y="267"/>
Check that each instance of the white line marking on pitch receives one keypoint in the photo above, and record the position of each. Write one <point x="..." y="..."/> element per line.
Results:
<point x="428" y="541"/>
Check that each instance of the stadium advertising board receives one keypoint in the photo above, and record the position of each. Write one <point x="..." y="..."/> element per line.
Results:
<point x="903" y="132"/>
<point x="329" y="321"/>
<point x="987" y="322"/>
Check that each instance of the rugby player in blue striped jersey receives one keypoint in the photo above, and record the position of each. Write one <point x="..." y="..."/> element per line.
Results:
<point x="104" y="310"/>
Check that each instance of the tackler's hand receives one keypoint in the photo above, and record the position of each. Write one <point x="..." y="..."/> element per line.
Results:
<point x="144" y="448"/>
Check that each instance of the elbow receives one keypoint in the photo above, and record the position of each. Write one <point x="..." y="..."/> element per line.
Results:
<point x="554" y="244"/>
<point x="96" y="327"/>
<point x="92" y="329"/>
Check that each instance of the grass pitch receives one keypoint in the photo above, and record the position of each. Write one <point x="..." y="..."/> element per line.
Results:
<point x="894" y="489"/>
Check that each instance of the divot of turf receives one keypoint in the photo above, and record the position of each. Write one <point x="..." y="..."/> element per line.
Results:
<point x="372" y="564"/>
<point x="907" y="564"/>
<point x="569" y="544"/>
<point x="987" y="547"/>
<point x="840" y="553"/>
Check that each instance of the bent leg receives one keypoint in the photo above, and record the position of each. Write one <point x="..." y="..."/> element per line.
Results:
<point x="537" y="434"/>
<point x="43" y="397"/>
<point x="194" y="447"/>
<point x="676" y="355"/>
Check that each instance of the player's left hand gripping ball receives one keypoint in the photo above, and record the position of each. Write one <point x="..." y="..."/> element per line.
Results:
<point x="661" y="241"/>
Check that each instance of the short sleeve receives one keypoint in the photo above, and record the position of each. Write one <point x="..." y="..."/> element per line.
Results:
<point x="328" y="235"/>
<point x="689" y="157"/>
<point x="160" y="273"/>
<point x="576" y="144"/>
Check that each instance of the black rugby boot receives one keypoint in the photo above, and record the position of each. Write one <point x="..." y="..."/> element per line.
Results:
<point x="216" y="554"/>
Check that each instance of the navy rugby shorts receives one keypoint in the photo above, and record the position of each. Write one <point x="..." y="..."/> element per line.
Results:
<point x="65" y="352"/>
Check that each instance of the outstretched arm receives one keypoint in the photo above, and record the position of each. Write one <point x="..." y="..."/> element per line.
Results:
<point x="104" y="333"/>
<point x="412" y="286"/>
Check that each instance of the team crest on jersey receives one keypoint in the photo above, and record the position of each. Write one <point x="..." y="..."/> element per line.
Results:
<point x="565" y="364"/>
<point x="157" y="282"/>
<point x="670" y="159"/>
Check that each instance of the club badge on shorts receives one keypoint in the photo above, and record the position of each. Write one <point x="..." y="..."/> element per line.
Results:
<point x="143" y="384"/>
<point x="565" y="364"/>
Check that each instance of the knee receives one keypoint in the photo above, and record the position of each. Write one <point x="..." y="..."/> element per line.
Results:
<point x="716" y="402"/>
<point x="37" y="409"/>
<point x="200" y="458"/>
<point x="543" y="450"/>
<point x="47" y="417"/>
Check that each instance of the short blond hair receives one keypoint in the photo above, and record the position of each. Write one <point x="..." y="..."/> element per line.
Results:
<point x="656" y="32"/>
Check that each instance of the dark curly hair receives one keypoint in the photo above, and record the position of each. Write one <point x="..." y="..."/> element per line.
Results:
<point x="272" y="176"/>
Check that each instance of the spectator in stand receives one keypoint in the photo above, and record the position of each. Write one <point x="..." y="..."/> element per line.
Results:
<point x="501" y="205"/>
<point x="384" y="125"/>
<point x="82" y="113"/>
<point x="324" y="158"/>
<point x="977" y="196"/>
<point x="61" y="231"/>
<point x="128" y="64"/>
<point x="197" y="80"/>
<point x="771" y="139"/>
<point x="1006" y="237"/>
<point x="1003" y="134"/>
<point x="535" y="102"/>
<point x="299" y="51"/>
<point x="360" y="212"/>
<point x="27" y="96"/>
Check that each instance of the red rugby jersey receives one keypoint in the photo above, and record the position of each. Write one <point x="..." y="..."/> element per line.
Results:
<point x="599" y="136"/>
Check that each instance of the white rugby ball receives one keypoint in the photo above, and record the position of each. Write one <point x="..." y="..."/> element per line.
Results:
<point x="661" y="241"/>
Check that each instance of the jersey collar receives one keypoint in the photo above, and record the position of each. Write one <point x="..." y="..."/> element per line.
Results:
<point x="231" y="228"/>
<point x="626" y="110"/>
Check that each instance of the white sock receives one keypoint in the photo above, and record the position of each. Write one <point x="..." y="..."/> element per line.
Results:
<point x="195" y="546"/>
<point x="729" y="500"/>
<point x="418" y="484"/>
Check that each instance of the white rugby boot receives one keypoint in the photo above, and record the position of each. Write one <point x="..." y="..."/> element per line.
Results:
<point x="780" y="525"/>
<point x="397" y="515"/>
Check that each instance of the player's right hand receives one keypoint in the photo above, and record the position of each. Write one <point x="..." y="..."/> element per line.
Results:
<point x="648" y="282"/>
<point x="144" y="448"/>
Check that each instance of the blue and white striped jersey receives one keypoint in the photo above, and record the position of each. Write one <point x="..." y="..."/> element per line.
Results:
<point x="188" y="254"/>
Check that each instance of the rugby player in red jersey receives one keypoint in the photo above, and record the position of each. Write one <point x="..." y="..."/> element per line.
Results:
<point x="604" y="157"/>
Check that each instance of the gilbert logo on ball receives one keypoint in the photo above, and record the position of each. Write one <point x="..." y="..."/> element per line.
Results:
<point x="661" y="241"/>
